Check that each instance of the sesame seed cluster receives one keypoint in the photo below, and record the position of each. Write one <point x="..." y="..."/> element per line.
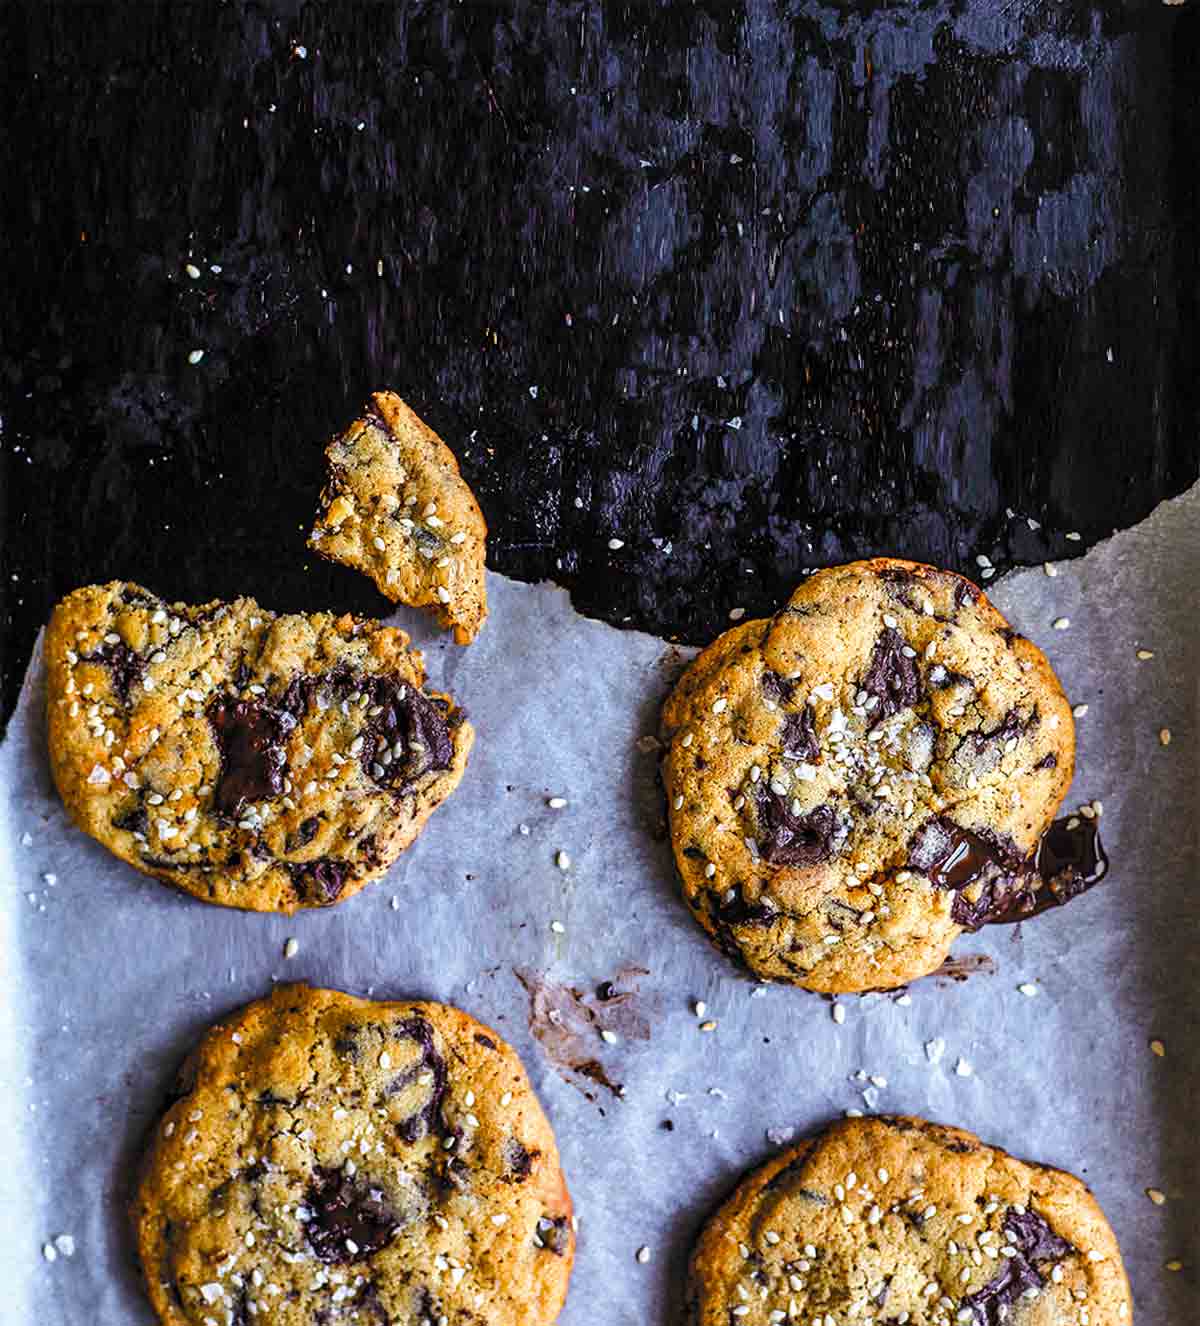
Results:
<point x="254" y="760"/>
<point x="892" y="1221"/>
<point x="396" y="508"/>
<point x="850" y="781"/>
<point x="332" y="1159"/>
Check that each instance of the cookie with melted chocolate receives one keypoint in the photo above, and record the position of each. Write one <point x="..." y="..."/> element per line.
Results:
<point x="895" y="1220"/>
<point x="251" y="759"/>
<point x="856" y="780"/>
<point x="328" y="1159"/>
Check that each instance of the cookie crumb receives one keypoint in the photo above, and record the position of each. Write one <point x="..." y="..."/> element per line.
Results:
<point x="1164" y="736"/>
<point x="964" y="1068"/>
<point x="1157" y="1196"/>
<point x="709" y="1025"/>
<point x="1050" y="569"/>
<point x="1173" y="1265"/>
<point x="1158" y="1048"/>
<point x="65" y="1243"/>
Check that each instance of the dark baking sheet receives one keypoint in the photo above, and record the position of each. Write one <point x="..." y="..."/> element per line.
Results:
<point x="749" y="286"/>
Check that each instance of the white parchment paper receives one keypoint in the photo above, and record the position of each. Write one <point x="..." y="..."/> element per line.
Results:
<point x="109" y="977"/>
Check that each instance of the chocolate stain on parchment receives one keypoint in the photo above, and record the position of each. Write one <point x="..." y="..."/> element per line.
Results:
<point x="959" y="969"/>
<point x="567" y="1023"/>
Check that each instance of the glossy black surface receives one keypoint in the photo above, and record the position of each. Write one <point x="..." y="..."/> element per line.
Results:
<point x="751" y="287"/>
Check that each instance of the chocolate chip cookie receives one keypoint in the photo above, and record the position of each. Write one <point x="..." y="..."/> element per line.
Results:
<point x="327" y="1159"/>
<point x="891" y="1220"/>
<point x="254" y="760"/>
<point x="396" y="508"/>
<point x="856" y="780"/>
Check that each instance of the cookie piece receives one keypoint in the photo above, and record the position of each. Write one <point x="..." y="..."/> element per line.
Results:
<point x="396" y="508"/>
<point x="327" y="1159"/>
<point x="856" y="780"/>
<point x="254" y="760"/>
<point x="890" y="1220"/>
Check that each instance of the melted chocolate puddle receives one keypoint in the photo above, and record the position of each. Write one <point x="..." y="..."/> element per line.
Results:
<point x="1068" y="861"/>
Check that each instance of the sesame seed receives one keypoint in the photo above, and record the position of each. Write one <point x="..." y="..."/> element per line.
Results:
<point x="609" y="1037"/>
<point x="615" y="545"/>
<point x="1164" y="736"/>
<point x="1074" y="536"/>
<point x="699" y="1008"/>
<point x="443" y="594"/>
<point x="1156" y="1195"/>
<point x="195" y="356"/>
<point x="1158" y="1048"/>
<point x="556" y="803"/>
<point x="558" y="927"/>
<point x="291" y="948"/>
<point x="1144" y="654"/>
<point x="1028" y="989"/>
<point x="500" y="1218"/>
<point x="385" y="1060"/>
<point x="963" y="1068"/>
<point x="838" y="1012"/>
<point x="642" y="1255"/>
<point x="562" y="861"/>
<point x="710" y="870"/>
<point x="1061" y="623"/>
<point x="379" y="543"/>
<point x="1079" y="710"/>
<point x="736" y="614"/>
<point x="719" y="706"/>
<point x="49" y="1252"/>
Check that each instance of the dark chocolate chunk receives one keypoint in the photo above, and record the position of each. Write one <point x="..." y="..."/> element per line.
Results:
<point x="481" y="1039"/>
<point x="319" y="882"/>
<point x="250" y="736"/>
<point x="1032" y="1236"/>
<point x="136" y="820"/>
<point x="349" y="1220"/>
<point x="777" y="688"/>
<point x="554" y="1235"/>
<point x="1048" y="761"/>
<point x="892" y="677"/>
<point x="1034" y="1241"/>
<point x="428" y="1117"/>
<point x="126" y="667"/>
<point x="735" y="910"/>
<point x="798" y="735"/>
<point x="786" y="839"/>
<point x="518" y="1159"/>
<point x="408" y="738"/>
